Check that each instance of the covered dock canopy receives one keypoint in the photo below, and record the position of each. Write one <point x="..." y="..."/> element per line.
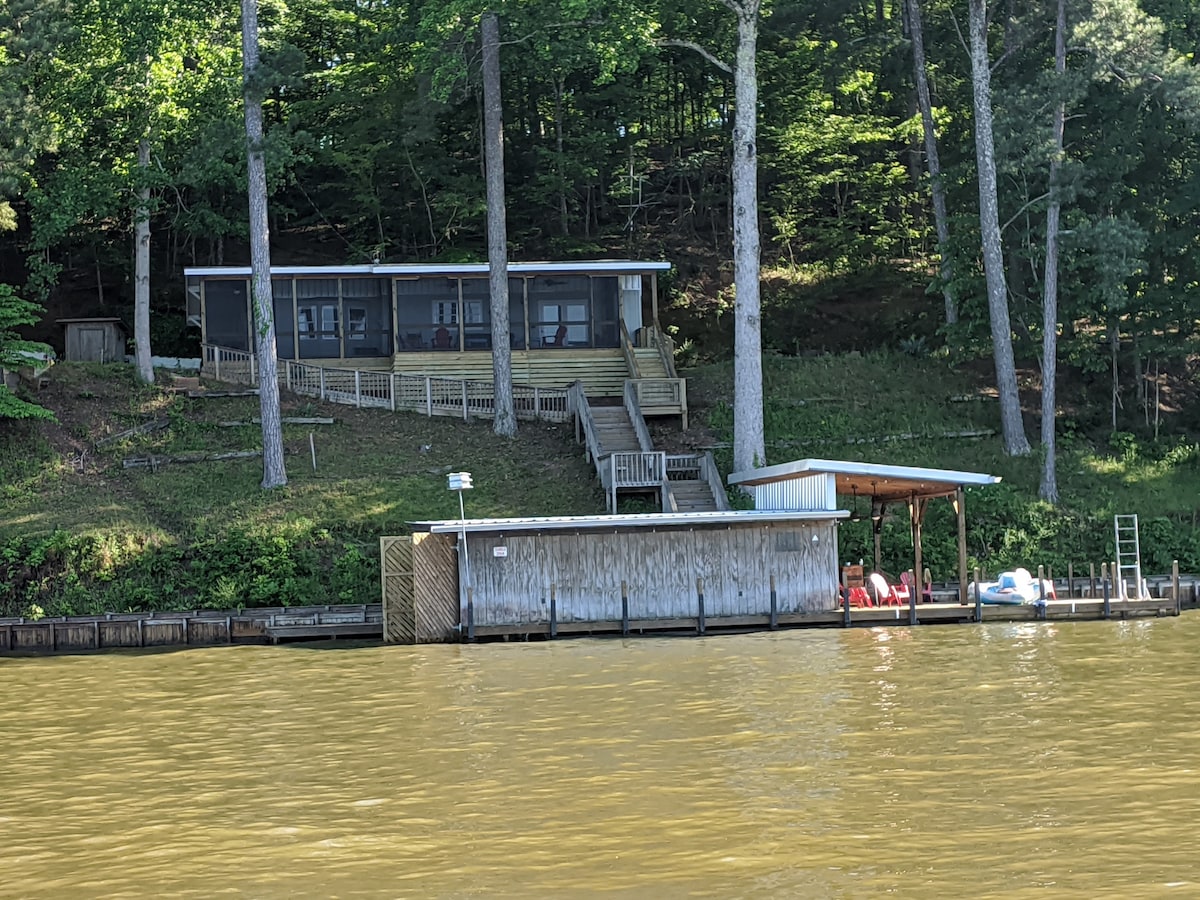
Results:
<point x="816" y="483"/>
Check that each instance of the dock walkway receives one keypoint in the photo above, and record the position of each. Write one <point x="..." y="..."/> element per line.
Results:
<point x="194" y="628"/>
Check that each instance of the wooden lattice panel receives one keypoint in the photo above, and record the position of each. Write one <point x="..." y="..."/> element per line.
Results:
<point x="435" y="588"/>
<point x="396" y="572"/>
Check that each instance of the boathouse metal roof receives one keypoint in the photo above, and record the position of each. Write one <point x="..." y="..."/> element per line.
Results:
<point x="610" y="266"/>
<point x="640" y="520"/>
<point x="882" y="482"/>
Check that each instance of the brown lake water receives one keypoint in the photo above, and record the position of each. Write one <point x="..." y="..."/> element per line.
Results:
<point x="1032" y="760"/>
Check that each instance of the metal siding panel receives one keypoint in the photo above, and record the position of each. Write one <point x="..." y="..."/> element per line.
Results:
<point x="814" y="492"/>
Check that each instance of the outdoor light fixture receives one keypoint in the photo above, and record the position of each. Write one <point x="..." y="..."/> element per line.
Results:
<point x="461" y="481"/>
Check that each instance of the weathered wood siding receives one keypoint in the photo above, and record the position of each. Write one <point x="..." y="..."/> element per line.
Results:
<point x="660" y="568"/>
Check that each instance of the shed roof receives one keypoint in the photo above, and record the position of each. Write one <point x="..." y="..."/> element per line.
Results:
<point x="641" y="520"/>
<point x="888" y="483"/>
<point x="86" y="320"/>
<point x="611" y="266"/>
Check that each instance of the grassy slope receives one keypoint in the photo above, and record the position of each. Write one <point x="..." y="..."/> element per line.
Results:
<point x="79" y="532"/>
<point x="207" y="534"/>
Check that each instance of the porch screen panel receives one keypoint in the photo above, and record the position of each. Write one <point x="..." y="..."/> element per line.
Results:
<point x="606" y="315"/>
<point x="477" y="314"/>
<point x="285" y="318"/>
<point x="427" y="313"/>
<point x="367" y="316"/>
<point x="560" y="302"/>
<point x="225" y="313"/>
<point x="516" y="312"/>
<point x="318" y="318"/>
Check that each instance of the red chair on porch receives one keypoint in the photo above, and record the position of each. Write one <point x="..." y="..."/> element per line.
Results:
<point x="559" y="336"/>
<point x="441" y="339"/>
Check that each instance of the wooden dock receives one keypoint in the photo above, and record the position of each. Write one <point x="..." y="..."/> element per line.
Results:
<point x="195" y="628"/>
<point x="936" y="613"/>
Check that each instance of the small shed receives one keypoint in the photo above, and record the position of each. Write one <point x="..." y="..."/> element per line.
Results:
<point x="94" y="339"/>
<point x="815" y="484"/>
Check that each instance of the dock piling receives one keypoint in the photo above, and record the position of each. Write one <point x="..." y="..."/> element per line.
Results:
<point x="1092" y="580"/>
<point x="700" y="605"/>
<point x="774" y="622"/>
<point x="1175" y="587"/>
<point x="913" y="589"/>
<point x="845" y="607"/>
<point x="553" y="613"/>
<point x="978" y="599"/>
<point x="1105" y="587"/>
<point x="470" y="617"/>
<point x="624" y="609"/>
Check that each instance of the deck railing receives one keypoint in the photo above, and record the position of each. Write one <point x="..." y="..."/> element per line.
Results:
<point x="431" y="395"/>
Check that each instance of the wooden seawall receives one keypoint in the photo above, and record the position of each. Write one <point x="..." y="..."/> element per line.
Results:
<point x="195" y="628"/>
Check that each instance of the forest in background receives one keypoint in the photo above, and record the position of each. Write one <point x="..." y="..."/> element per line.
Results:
<point x="618" y="144"/>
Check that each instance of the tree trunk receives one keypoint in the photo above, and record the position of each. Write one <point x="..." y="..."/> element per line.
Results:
<point x="1048" y="490"/>
<point x="141" y="278"/>
<point x="941" y="220"/>
<point x="564" y="224"/>
<point x="1015" y="442"/>
<point x="274" y="474"/>
<point x="497" y="228"/>
<point x="749" y="449"/>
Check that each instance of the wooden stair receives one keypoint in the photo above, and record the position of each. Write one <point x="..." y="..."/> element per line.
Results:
<point x="614" y="430"/>
<point x="693" y="496"/>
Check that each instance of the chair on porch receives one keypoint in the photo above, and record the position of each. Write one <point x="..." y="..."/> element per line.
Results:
<point x="441" y="339"/>
<point x="559" y="336"/>
<point x="906" y="579"/>
<point x="885" y="594"/>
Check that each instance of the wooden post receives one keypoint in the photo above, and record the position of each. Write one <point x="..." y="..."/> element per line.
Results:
<point x="978" y="597"/>
<point x="845" y="607"/>
<point x="877" y="529"/>
<point x="428" y="397"/>
<point x="1070" y="579"/>
<point x="229" y="629"/>
<point x="358" y="388"/>
<point x="537" y="402"/>
<point x="553" y="613"/>
<point x="217" y="362"/>
<point x="913" y="590"/>
<point x="774" y="622"/>
<point x="253" y="374"/>
<point x="392" y="389"/>
<point x="624" y="608"/>
<point x="1092" y="581"/>
<point x="1105" y="585"/>
<point x="321" y="372"/>
<point x="1041" y="604"/>
<point x="470" y="616"/>
<point x="1174" y="575"/>
<point x="960" y="510"/>
<point x="700" y="605"/>
<point x="186" y="632"/>
<point x="53" y="636"/>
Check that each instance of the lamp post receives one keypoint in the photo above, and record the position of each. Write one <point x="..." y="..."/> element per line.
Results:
<point x="461" y="481"/>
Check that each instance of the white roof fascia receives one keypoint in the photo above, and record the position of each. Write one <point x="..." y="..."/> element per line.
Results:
<point x="644" y="520"/>
<point x="616" y="266"/>
<point x="803" y="467"/>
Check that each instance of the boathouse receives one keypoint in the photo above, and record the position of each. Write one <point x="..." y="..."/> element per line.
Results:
<point x="591" y="321"/>
<point x="614" y="573"/>
<point x="818" y="483"/>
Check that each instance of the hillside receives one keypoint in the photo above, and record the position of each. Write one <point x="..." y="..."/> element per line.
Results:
<point x="81" y="533"/>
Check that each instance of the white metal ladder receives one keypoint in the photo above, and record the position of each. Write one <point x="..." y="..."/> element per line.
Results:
<point x="1129" y="557"/>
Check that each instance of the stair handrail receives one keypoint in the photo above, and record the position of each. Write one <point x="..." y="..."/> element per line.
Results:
<point x="708" y="466"/>
<point x="585" y="422"/>
<point x="627" y="351"/>
<point x="634" y="410"/>
<point x="666" y="348"/>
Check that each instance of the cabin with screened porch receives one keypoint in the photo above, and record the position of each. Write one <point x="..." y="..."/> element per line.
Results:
<point x="593" y="322"/>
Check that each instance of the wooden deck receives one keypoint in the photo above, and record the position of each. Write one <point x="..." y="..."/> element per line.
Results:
<point x="197" y="628"/>
<point x="871" y="617"/>
<point x="603" y="372"/>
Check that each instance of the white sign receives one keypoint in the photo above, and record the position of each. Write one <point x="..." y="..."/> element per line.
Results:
<point x="500" y="551"/>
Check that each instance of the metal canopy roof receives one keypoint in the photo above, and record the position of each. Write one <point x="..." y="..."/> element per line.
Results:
<point x="887" y="483"/>
<point x="642" y="520"/>
<point x="613" y="266"/>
